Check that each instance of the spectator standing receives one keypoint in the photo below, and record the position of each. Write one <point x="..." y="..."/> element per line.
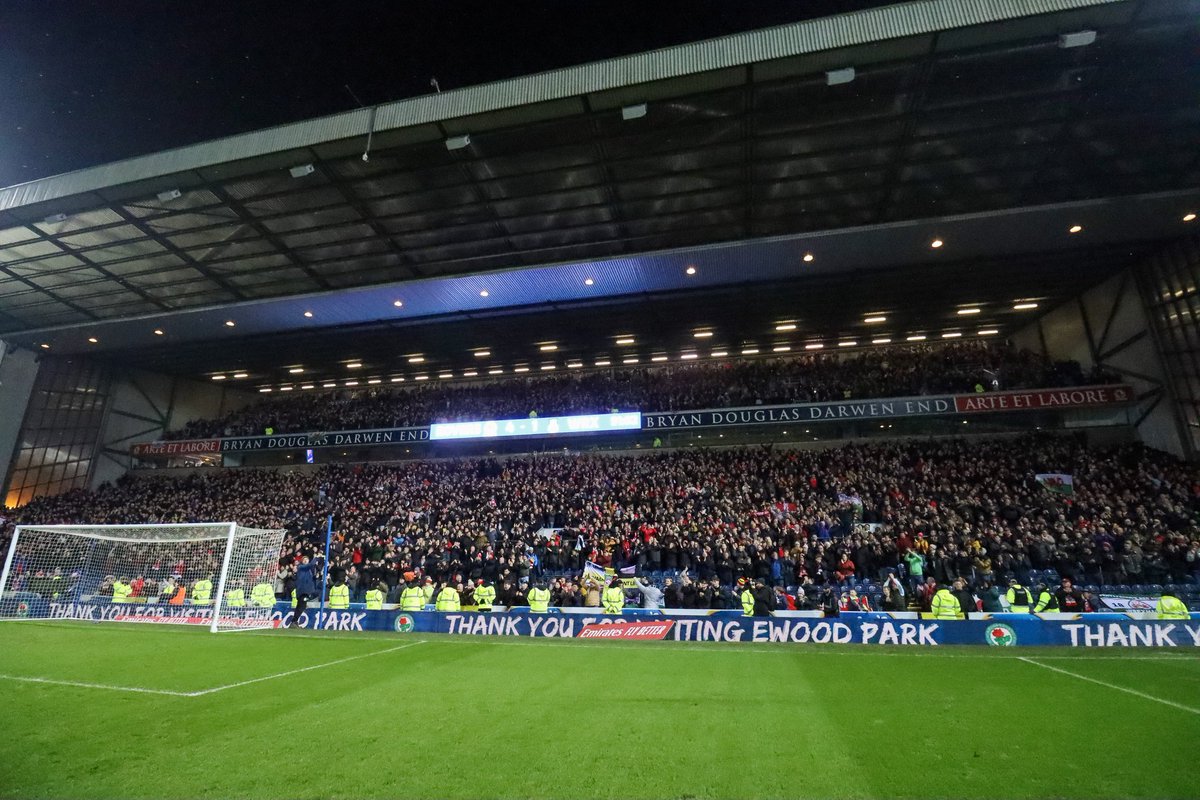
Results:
<point x="652" y="596"/>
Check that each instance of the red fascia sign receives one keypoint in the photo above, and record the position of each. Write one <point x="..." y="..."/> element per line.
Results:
<point x="1043" y="399"/>
<point x="658" y="629"/>
<point x="180" y="448"/>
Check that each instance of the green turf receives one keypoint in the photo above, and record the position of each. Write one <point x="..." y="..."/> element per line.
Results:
<point x="489" y="717"/>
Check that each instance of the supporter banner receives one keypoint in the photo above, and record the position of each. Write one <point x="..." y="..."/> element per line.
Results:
<point x="182" y="448"/>
<point x="1056" y="482"/>
<point x="1116" y="602"/>
<point x="1089" y="630"/>
<point x="1038" y="399"/>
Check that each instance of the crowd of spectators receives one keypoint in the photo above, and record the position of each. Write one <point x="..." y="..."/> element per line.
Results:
<point x="888" y="372"/>
<point x="805" y="518"/>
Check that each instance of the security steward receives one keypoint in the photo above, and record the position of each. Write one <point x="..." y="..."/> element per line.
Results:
<point x="236" y="597"/>
<point x="539" y="598"/>
<point x="1045" y="600"/>
<point x="1019" y="600"/>
<point x="448" y="599"/>
<point x="202" y="591"/>
<point x="121" y="590"/>
<point x="339" y="594"/>
<point x="746" y="596"/>
<point x="613" y="598"/>
<point x="413" y="597"/>
<point x="1171" y="607"/>
<point x="374" y="598"/>
<point x="945" y="605"/>
<point x="263" y="595"/>
<point x="485" y="595"/>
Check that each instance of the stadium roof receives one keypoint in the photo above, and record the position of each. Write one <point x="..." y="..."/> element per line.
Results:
<point x="976" y="123"/>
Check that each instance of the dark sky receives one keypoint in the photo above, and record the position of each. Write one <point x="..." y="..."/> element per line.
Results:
<point x="84" y="82"/>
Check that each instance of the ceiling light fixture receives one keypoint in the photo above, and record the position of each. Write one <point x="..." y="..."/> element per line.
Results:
<point x="658" y="358"/>
<point x="574" y="364"/>
<point x="780" y="348"/>
<point x="687" y="356"/>
<point x="229" y="323"/>
<point x="354" y="365"/>
<point x="690" y="270"/>
<point x="351" y="383"/>
<point x="630" y="360"/>
<point x="808" y="257"/>
<point x="218" y="377"/>
<point x="847" y="343"/>
<point x="398" y="303"/>
<point x="265" y="389"/>
<point x="588" y="282"/>
<point x="496" y="371"/>
<point x="521" y="369"/>
<point x="952" y="335"/>
<point x="883" y="340"/>
<point x="296" y="370"/>
<point x="1075" y="229"/>
<point x="470" y="373"/>
<point x="988" y="332"/>
<point x="719" y="353"/>
<point x="1188" y="217"/>
<point x="603" y="362"/>
<point x="962" y="312"/>
<point x="749" y="351"/>
<point x="483" y="293"/>
<point x="398" y="379"/>
<point x="1024" y="306"/>
<point x="875" y="319"/>
<point x="785" y="326"/>
<point x="285" y="388"/>
<point x="416" y="359"/>
<point x="93" y="340"/>
<point x="547" y="348"/>
<point x="421" y="378"/>
<point x="936" y="243"/>
<point x="44" y="346"/>
<point x="158" y="331"/>
<point x="241" y="375"/>
<point x="308" y="314"/>
<point x="482" y="353"/>
<point x="444" y="375"/>
<point x="330" y="385"/>
<point x="916" y="337"/>
<point x="813" y="346"/>
<point x="308" y="386"/>
<point x="625" y="340"/>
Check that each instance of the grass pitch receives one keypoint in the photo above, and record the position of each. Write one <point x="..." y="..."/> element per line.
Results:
<point x="135" y="711"/>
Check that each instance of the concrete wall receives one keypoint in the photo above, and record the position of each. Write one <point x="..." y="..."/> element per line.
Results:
<point x="144" y="405"/>
<point x="1115" y="315"/>
<point x="18" y="370"/>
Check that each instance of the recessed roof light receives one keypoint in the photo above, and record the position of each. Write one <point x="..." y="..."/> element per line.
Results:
<point x="330" y="385"/>
<point x="421" y="378"/>
<point x="916" y="337"/>
<point x="285" y="388"/>
<point x="483" y="293"/>
<point x="296" y="370"/>
<point x="625" y="340"/>
<point x="374" y="381"/>
<point x="962" y="312"/>
<point x="630" y="360"/>
<point x="398" y="379"/>
<point x="218" y="377"/>
<point x="547" y="348"/>
<point x="813" y="346"/>
<point x="875" y="319"/>
<point x="416" y="359"/>
<point x="44" y="346"/>
<point x="936" y="243"/>
<point x="690" y="270"/>
<point x="496" y="371"/>
<point x="779" y="348"/>
<point x="1024" y="306"/>
<point x="687" y="356"/>
<point x="659" y="357"/>
<point x="444" y="375"/>
<point x="808" y="257"/>
<point x="1075" y="229"/>
<point x="847" y="343"/>
<point x="229" y="323"/>
<point x="603" y="362"/>
<point x="470" y="373"/>
<point x="703" y="334"/>
<point x="93" y="340"/>
<point x="350" y="383"/>
<point x="988" y="332"/>
<point x="952" y="335"/>
<point x="354" y="365"/>
<point x="588" y="282"/>
<point x="308" y="314"/>
<point x="883" y="340"/>
<point x="574" y="365"/>
<point x="265" y="389"/>
<point x="521" y="369"/>
<point x="786" y="326"/>
<point x="398" y="303"/>
<point x="1188" y="217"/>
<point x="719" y="353"/>
<point x="749" y="351"/>
<point x="482" y="353"/>
<point x="241" y="375"/>
<point x="308" y="386"/>
<point x="158" y="331"/>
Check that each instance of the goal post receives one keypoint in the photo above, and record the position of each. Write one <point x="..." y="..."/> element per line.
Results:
<point x="219" y="574"/>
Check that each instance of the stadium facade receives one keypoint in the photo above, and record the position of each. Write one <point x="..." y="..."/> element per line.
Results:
<point x="934" y="170"/>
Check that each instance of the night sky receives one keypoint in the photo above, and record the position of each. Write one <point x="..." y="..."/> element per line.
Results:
<point x="86" y="82"/>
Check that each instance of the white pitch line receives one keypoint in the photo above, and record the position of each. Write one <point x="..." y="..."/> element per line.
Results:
<point x="1098" y="682"/>
<point x="301" y="669"/>
<point x="81" y="684"/>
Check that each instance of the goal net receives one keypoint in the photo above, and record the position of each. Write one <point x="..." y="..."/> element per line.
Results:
<point x="217" y="574"/>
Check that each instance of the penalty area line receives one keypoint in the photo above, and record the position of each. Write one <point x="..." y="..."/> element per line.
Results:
<point x="215" y="689"/>
<point x="85" y="685"/>
<point x="1108" y="685"/>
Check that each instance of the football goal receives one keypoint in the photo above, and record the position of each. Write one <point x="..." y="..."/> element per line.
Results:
<point x="218" y="574"/>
